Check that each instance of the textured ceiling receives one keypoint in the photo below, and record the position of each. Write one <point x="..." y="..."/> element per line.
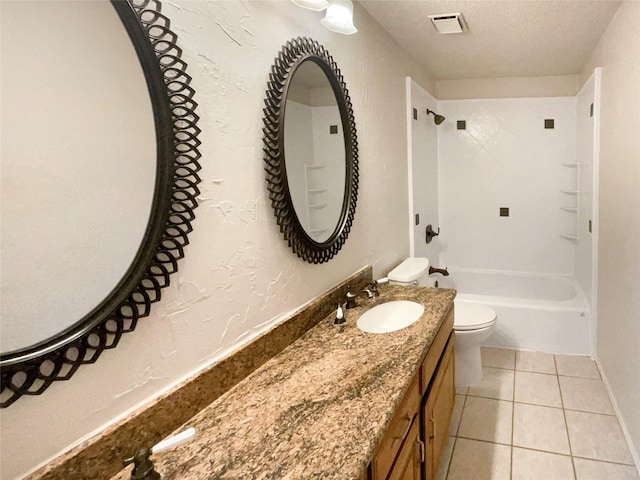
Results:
<point x="505" y="38"/>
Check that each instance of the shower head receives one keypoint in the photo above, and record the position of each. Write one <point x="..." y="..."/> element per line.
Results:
<point x="438" y="119"/>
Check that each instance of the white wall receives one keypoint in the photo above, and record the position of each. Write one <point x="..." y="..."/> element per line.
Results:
<point x="328" y="151"/>
<point x="618" y="53"/>
<point x="506" y="158"/>
<point x="423" y="162"/>
<point x="298" y="143"/>
<point x="511" y="87"/>
<point x="238" y="276"/>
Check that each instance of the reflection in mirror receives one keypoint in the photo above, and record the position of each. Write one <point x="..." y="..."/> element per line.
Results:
<point x="78" y="164"/>
<point x="314" y="151"/>
<point x="100" y="167"/>
<point x="310" y="150"/>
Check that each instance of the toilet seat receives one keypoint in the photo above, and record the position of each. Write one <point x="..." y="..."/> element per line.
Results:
<point x="471" y="316"/>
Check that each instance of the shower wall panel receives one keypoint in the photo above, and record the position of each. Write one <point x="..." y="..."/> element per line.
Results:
<point x="507" y="156"/>
<point x="423" y="168"/>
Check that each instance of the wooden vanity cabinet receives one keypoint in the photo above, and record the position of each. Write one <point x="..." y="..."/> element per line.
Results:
<point x="411" y="447"/>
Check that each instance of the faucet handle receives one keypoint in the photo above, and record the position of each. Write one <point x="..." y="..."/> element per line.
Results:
<point x="375" y="283"/>
<point x="172" y="442"/>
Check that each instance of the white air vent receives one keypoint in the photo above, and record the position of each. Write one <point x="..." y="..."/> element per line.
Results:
<point x="448" y="23"/>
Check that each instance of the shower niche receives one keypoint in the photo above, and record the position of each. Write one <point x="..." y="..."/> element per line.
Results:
<point x="570" y="199"/>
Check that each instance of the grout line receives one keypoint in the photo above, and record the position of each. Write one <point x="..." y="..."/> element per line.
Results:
<point x="513" y="412"/>
<point x="542" y="451"/>
<point x="455" y="436"/>
<point x="635" y="454"/>
<point x="566" y="425"/>
<point x="604" y="461"/>
<point x="453" y="447"/>
<point x="484" y="441"/>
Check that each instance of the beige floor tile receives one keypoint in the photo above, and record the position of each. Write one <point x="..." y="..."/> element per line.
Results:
<point x="585" y="394"/>
<point x="535" y="362"/>
<point x="473" y="460"/>
<point x="540" y="428"/>
<point x="456" y="414"/>
<point x="495" y="383"/>
<point x="486" y="419"/>
<point x="537" y="388"/>
<point x="593" y="470"/>
<point x="597" y="437"/>
<point x="534" y="465"/>
<point x="498" y="357"/>
<point x="445" y="459"/>
<point x="462" y="390"/>
<point x="577" y="366"/>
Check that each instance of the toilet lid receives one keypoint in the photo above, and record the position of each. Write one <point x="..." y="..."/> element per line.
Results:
<point x="409" y="270"/>
<point x="471" y="316"/>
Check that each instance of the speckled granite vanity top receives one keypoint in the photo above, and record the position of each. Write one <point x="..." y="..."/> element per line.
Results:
<point x="316" y="410"/>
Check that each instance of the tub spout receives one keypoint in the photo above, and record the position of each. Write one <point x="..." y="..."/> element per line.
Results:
<point x="441" y="271"/>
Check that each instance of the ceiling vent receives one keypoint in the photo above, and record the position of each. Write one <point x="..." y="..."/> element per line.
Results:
<point x="448" y="23"/>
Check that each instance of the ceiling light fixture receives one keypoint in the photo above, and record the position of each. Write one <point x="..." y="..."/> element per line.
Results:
<point x="316" y="5"/>
<point x="448" y="23"/>
<point x="339" y="17"/>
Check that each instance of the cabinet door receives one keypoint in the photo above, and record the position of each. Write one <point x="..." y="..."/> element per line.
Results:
<point x="438" y="409"/>
<point x="398" y="432"/>
<point x="409" y="460"/>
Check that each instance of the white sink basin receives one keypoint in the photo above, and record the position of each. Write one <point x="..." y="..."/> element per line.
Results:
<point x="390" y="316"/>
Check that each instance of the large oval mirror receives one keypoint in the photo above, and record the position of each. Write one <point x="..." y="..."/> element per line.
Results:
<point x="99" y="178"/>
<point x="310" y="150"/>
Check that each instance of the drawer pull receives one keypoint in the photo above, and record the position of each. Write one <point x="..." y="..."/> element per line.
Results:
<point x="432" y="434"/>
<point x="421" y="447"/>
<point x="406" y="431"/>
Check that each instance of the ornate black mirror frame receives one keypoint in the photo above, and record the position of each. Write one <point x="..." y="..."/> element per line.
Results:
<point x="30" y="371"/>
<point x="291" y="56"/>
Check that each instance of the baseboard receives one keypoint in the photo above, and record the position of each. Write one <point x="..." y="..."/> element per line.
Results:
<point x="625" y="431"/>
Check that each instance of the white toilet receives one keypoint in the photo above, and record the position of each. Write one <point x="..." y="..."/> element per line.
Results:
<point x="472" y="323"/>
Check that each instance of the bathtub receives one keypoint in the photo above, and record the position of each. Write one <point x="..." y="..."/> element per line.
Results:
<point x="545" y="313"/>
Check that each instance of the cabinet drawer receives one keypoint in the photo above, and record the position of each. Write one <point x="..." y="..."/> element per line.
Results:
<point x="398" y="431"/>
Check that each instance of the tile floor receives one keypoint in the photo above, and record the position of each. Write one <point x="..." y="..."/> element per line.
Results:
<point x="535" y="416"/>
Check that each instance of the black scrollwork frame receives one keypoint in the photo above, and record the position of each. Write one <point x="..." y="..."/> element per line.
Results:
<point x="30" y="371"/>
<point x="291" y="56"/>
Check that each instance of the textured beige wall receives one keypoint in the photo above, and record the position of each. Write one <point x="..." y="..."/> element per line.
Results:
<point x="238" y="276"/>
<point x="512" y="87"/>
<point x="618" y="53"/>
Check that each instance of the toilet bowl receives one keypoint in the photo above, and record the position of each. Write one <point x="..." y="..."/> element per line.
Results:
<point x="472" y="323"/>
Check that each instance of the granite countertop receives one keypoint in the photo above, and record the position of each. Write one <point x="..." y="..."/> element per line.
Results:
<point x="316" y="410"/>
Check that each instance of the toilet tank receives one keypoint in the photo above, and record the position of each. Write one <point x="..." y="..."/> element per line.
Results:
<point x="412" y="271"/>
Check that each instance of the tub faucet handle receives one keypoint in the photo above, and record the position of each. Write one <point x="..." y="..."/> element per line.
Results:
<point x="430" y="233"/>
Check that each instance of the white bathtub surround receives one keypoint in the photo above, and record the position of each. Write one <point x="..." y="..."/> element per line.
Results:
<point x="422" y="138"/>
<point x="544" y="313"/>
<point x="505" y="157"/>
